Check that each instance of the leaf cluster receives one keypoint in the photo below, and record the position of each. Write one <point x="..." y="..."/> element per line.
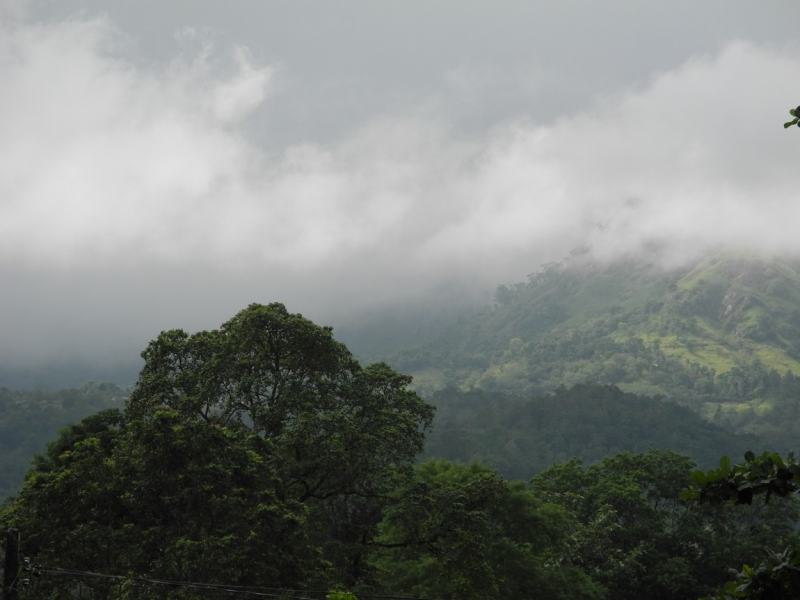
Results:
<point x="768" y="474"/>
<point x="777" y="576"/>
<point x="794" y="113"/>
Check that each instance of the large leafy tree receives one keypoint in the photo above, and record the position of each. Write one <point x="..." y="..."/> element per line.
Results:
<point x="164" y="499"/>
<point x="338" y="428"/>
<point x="262" y="448"/>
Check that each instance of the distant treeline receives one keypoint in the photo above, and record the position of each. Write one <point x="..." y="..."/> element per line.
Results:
<point x="521" y="437"/>
<point x="518" y="436"/>
<point x="29" y="419"/>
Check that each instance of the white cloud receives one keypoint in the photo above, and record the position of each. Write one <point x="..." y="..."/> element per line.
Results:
<point x="114" y="164"/>
<point x="108" y="161"/>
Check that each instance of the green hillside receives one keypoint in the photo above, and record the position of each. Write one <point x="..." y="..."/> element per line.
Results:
<point x="722" y="336"/>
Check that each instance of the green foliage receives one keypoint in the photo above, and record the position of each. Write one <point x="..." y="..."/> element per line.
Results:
<point x="29" y="419"/>
<point x="768" y="474"/>
<point x="522" y="436"/>
<point x="794" y="113"/>
<point x="261" y="453"/>
<point x="166" y="498"/>
<point x="633" y="534"/>
<point x="719" y="336"/>
<point x="463" y="532"/>
<point x="636" y="326"/>
<point x="777" y="576"/>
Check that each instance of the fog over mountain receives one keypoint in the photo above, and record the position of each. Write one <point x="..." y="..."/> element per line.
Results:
<point x="165" y="164"/>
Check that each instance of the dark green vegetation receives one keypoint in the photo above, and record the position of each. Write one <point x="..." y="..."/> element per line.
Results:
<point x="794" y="121"/>
<point x="722" y="337"/>
<point x="521" y="437"/>
<point x="650" y="544"/>
<point x="31" y="418"/>
<point x="262" y="454"/>
<point x="259" y="453"/>
<point x="518" y="436"/>
<point x="778" y="575"/>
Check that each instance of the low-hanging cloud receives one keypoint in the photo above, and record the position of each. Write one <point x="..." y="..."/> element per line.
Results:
<point x="117" y="166"/>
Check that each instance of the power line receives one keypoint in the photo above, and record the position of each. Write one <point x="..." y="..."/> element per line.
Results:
<point x="241" y="591"/>
<point x="238" y="590"/>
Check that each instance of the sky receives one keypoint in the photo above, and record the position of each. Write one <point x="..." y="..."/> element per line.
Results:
<point x="167" y="162"/>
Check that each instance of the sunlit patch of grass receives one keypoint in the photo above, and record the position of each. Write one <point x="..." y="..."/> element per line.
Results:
<point x="714" y="357"/>
<point x="511" y="375"/>
<point x="709" y="347"/>
<point x="762" y="407"/>
<point x="642" y="388"/>
<point x="709" y="329"/>
<point x="746" y="411"/>
<point x="647" y="337"/>
<point x="699" y="276"/>
<point x="700" y="350"/>
<point x="773" y="358"/>
<point x="710" y="410"/>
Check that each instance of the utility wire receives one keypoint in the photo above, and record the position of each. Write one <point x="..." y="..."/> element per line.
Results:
<point x="240" y="590"/>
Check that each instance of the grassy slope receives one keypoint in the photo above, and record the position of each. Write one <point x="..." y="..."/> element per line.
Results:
<point x="745" y="307"/>
<point x="491" y="350"/>
<point x="580" y="322"/>
<point x="718" y="336"/>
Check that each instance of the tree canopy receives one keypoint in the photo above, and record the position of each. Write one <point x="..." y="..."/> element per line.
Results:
<point x="262" y="445"/>
<point x="262" y="456"/>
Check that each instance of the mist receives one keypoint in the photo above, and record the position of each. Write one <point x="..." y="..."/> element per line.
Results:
<point x="145" y="192"/>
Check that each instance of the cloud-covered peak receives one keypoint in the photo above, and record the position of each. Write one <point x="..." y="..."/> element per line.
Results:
<point x="124" y="166"/>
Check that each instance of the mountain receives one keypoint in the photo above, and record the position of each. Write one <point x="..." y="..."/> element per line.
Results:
<point x="721" y="335"/>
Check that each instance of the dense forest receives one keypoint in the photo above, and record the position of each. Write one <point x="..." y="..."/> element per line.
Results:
<point x="518" y="436"/>
<point x="555" y="239"/>
<point x="548" y="447"/>
<point x="521" y="437"/>
<point x="261" y="459"/>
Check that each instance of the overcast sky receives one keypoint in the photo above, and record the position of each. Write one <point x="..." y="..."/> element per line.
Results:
<point x="164" y="163"/>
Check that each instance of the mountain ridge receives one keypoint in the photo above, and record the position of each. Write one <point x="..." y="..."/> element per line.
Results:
<point x="721" y="335"/>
